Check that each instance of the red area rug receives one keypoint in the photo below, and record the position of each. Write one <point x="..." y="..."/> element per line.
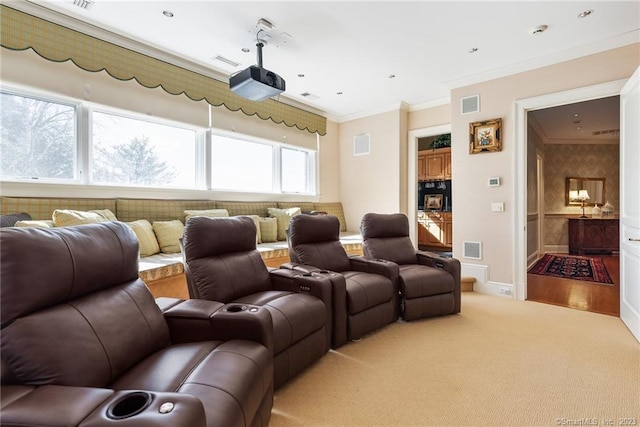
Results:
<point x="572" y="267"/>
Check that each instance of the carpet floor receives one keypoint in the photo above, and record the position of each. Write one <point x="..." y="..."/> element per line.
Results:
<point x="572" y="267"/>
<point x="500" y="362"/>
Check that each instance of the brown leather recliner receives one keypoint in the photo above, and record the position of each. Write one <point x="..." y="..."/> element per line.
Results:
<point x="429" y="283"/>
<point x="367" y="288"/>
<point x="223" y="264"/>
<point x="85" y="344"/>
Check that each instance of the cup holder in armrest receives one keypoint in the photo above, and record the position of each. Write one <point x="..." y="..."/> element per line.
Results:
<point x="129" y="405"/>
<point x="236" y="308"/>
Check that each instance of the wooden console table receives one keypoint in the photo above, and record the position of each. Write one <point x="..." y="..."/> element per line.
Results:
<point x="593" y="235"/>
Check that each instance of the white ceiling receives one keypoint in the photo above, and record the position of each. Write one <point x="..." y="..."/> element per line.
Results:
<point x="353" y="47"/>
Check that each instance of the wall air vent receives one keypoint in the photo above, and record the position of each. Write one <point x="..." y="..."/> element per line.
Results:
<point x="606" y="132"/>
<point x="85" y="4"/>
<point x="472" y="250"/>
<point x="361" y="145"/>
<point x="470" y="104"/>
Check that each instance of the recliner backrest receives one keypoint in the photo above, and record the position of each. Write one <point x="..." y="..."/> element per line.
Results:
<point x="74" y="311"/>
<point x="222" y="260"/>
<point x="315" y="240"/>
<point x="386" y="236"/>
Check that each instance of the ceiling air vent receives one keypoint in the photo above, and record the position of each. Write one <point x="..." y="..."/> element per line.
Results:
<point x="225" y="61"/>
<point x="606" y="132"/>
<point x="472" y="250"/>
<point x="470" y="104"/>
<point x="85" y="4"/>
<point x="310" y="96"/>
<point x="361" y="145"/>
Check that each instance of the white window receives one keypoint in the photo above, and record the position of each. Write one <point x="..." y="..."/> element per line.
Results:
<point x="38" y="139"/>
<point x="241" y="165"/>
<point x="296" y="170"/>
<point x="130" y="151"/>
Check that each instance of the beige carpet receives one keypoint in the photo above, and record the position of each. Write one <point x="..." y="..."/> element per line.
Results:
<point x="500" y="362"/>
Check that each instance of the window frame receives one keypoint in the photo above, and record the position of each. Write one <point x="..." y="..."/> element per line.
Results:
<point x="83" y="159"/>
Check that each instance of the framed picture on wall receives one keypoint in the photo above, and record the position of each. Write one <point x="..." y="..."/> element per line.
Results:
<point x="485" y="136"/>
<point x="433" y="202"/>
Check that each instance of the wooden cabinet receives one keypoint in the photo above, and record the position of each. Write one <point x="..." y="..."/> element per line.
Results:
<point x="435" y="230"/>
<point x="422" y="167"/>
<point x="593" y="235"/>
<point x="434" y="164"/>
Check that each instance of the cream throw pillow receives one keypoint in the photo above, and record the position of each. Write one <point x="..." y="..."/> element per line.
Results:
<point x="268" y="230"/>
<point x="45" y="223"/>
<point x="169" y="234"/>
<point x="283" y="216"/>
<point x="207" y="212"/>
<point x="146" y="237"/>
<point x="68" y="217"/>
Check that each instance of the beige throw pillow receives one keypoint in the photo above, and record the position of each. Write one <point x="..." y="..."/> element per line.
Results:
<point x="45" y="223"/>
<point x="146" y="237"/>
<point x="283" y="216"/>
<point x="68" y="217"/>
<point x="169" y="234"/>
<point x="268" y="230"/>
<point x="206" y="212"/>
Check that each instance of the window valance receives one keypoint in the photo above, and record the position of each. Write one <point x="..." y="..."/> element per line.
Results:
<point x="21" y="31"/>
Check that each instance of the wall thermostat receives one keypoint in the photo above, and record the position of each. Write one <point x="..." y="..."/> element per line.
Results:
<point x="494" y="181"/>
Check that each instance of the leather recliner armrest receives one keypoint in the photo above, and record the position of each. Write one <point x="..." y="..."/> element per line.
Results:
<point x="376" y="266"/>
<point x="450" y="265"/>
<point x="329" y="286"/>
<point x="302" y="268"/>
<point x="202" y="320"/>
<point x="89" y="407"/>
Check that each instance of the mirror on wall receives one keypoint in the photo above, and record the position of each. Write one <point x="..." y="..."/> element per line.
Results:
<point x="578" y="188"/>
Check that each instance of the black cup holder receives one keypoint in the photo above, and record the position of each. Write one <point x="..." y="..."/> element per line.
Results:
<point x="236" y="308"/>
<point x="323" y="271"/>
<point x="129" y="405"/>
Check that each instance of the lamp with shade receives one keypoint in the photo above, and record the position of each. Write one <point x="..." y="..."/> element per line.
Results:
<point x="581" y="196"/>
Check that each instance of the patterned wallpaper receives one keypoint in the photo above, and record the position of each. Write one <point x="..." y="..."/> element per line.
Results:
<point x="589" y="161"/>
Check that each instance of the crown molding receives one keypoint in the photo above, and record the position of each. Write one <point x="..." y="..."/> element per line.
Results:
<point x="612" y="43"/>
<point x="430" y="104"/>
<point x="398" y="106"/>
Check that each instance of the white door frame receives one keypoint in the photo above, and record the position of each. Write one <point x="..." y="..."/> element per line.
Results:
<point x="412" y="173"/>
<point x="523" y="106"/>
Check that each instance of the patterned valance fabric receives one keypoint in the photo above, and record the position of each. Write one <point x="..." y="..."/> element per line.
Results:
<point x="21" y="31"/>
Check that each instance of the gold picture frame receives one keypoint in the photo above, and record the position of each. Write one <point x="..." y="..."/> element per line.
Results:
<point x="485" y="136"/>
<point x="433" y="202"/>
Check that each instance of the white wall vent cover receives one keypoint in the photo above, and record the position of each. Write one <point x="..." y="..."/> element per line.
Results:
<point x="361" y="145"/>
<point x="472" y="250"/>
<point x="470" y="104"/>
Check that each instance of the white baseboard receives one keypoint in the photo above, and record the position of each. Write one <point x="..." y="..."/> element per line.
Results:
<point x="483" y="285"/>
<point x="557" y="249"/>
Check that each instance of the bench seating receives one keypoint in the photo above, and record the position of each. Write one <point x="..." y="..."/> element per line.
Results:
<point x="164" y="272"/>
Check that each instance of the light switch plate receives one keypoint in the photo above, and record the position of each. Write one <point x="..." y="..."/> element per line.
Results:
<point x="497" y="207"/>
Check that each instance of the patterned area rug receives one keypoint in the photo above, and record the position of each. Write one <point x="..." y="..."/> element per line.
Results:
<point x="572" y="267"/>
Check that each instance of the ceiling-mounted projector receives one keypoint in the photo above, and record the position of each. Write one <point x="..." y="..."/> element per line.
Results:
<point x="256" y="83"/>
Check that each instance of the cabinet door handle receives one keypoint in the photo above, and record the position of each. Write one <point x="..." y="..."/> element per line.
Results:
<point x="631" y="239"/>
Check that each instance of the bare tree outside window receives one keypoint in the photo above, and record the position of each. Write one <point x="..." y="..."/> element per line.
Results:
<point x="37" y="138"/>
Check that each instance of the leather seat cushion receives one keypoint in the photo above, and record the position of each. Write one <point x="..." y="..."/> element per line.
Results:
<point x="232" y="377"/>
<point x="295" y="315"/>
<point x="421" y="281"/>
<point x="366" y="290"/>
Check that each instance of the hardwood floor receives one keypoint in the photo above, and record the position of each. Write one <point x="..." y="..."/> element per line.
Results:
<point x="579" y="294"/>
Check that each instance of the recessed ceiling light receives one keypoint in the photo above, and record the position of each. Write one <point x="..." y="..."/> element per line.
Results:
<point x="300" y="75"/>
<point x="585" y="13"/>
<point x="539" y="29"/>
<point x="392" y="76"/>
<point x="472" y="50"/>
<point x="167" y="13"/>
<point x="246" y="50"/>
<point x="338" y="93"/>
